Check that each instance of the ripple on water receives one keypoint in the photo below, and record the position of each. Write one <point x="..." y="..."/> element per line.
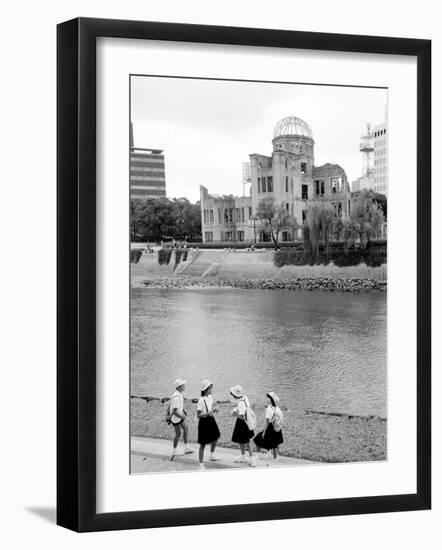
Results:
<point x="317" y="350"/>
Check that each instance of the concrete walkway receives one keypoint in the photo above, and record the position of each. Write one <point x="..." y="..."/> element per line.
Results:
<point x="150" y="455"/>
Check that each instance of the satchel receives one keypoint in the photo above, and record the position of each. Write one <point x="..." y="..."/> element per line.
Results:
<point x="168" y="415"/>
<point x="277" y="420"/>
<point x="250" y="417"/>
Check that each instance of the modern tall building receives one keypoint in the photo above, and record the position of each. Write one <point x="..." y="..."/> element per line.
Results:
<point x="147" y="172"/>
<point x="246" y="177"/>
<point x="374" y="149"/>
<point x="380" y="184"/>
<point x="289" y="176"/>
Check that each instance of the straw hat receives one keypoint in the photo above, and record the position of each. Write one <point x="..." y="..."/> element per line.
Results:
<point x="179" y="382"/>
<point x="274" y="397"/>
<point x="237" y="391"/>
<point x="205" y="384"/>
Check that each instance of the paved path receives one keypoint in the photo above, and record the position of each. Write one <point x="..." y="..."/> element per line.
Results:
<point x="153" y="455"/>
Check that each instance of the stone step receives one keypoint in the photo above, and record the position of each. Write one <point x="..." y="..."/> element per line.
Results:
<point x="203" y="262"/>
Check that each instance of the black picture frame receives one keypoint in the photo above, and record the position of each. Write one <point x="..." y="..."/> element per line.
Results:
<point x="76" y="273"/>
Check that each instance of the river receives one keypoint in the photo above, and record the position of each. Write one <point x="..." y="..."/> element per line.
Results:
<point x="317" y="350"/>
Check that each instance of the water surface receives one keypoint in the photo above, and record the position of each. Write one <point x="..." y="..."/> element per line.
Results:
<point x="318" y="350"/>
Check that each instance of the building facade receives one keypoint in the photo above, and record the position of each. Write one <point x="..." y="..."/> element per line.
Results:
<point x="147" y="173"/>
<point x="225" y="218"/>
<point x="374" y="148"/>
<point x="289" y="176"/>
<point x="380" y="184"/>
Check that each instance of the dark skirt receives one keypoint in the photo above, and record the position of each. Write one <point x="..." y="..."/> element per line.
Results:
<point x="241" y="432"/>
<point x="270" y="440"/>
<point x="208" y="430"/>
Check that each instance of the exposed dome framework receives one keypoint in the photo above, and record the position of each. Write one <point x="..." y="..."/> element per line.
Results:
<point x="292" y="126"/>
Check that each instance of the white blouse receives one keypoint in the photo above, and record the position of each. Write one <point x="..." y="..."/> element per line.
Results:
<point x="205" y="404"/>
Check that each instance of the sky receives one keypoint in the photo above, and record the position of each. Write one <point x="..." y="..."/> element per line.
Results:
<point x="208" y="128"/>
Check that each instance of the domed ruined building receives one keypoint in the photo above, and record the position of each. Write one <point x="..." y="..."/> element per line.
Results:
<point x="290" y="176"/>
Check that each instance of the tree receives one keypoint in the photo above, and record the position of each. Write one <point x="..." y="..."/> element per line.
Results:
<point x="274" y="218"/>
<point x="382" y="201"/>
<point x="337" y="228"/>
<point x="157" y="218"/>
<point x="367" y="217"/>
<point x="320" y="223"/>
<point x="348" y="234"/>
<point x="134" y="220"/>
<point x="189" y="218"/>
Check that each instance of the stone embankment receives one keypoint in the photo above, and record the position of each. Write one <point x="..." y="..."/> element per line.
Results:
<point x="346" y="416"/>
<point x="149" y="398"/>
<point x="324" y="283"/>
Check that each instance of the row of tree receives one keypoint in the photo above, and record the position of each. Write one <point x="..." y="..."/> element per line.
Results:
<point x="179" y="218"/>
<point x="160" y="218"/>
<point x="367" y="216"/>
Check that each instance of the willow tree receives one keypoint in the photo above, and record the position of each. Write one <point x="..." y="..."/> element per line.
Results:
<point x="319" y="226"/>
<point x="274" y="218"/>
<point x="367" y="217"/>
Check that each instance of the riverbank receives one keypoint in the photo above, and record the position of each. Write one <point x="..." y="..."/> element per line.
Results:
<point x="246" y="270"/>
<point x="311" y="435"/>
<point x="325" y="283"/>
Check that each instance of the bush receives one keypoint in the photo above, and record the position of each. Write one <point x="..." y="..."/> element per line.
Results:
<point x="161" y="256"/>
<point x="242" y="245"/>
<point x="332" y="245"/>
<point x="167" y="255"/>
<point x="164" y="255"/>
<point x="135" y="255"/>
<point x="178" y="255"/>
<point x="373" y="256"/>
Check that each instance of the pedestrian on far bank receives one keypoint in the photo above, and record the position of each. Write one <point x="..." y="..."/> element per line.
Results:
<point x="178" y="418"/>
<point x="242" y="433"/>
<point x="208" y="431"/>
<point x="271" y="436"/>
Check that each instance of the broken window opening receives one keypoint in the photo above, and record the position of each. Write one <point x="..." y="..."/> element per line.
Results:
<point x="304" y="192"/>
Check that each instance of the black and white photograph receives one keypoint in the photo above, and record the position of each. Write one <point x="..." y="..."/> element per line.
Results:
<point x="258" y="274"/>
<point x="220" y="297"/>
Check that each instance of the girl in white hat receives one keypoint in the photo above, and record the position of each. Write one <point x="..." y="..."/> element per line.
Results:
<point x="208" y="431"/>
<point x="242" y="433"/>
<point x="178" y="418"/>
<point x="271" y="436"/>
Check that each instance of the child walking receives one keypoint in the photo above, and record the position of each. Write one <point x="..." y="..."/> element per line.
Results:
<point x="271" y="436"/>
<point x="208" y="431"/>
<point x="178" y="418"/>
<point x="242" y="432"/>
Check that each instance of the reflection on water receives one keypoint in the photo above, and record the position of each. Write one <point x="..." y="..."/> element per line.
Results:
<point x="317" y="350"/>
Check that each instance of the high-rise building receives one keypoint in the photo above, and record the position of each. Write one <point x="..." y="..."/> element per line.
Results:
<point x="246" y="177"/>
<point x="374" y="148"/>
<point x="380" y="167"/>
<point x="147" y="172"/>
